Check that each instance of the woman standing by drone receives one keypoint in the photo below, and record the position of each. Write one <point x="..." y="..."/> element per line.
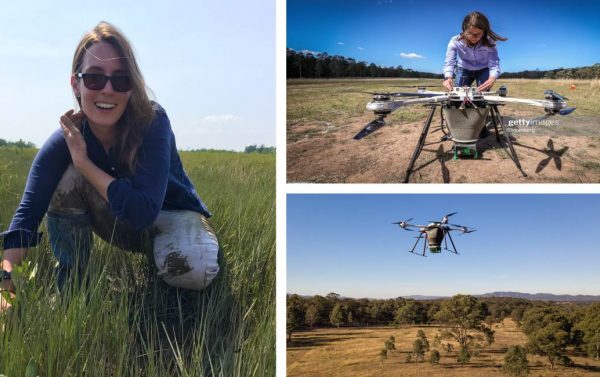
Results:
<point x="112" y="168"/>
<point x="473" y="54"/>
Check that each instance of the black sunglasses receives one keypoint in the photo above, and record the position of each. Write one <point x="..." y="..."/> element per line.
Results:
<point x="97" y="81"/>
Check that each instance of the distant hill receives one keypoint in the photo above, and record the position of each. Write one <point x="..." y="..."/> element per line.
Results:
<point x="543" y="296"/>
<point x="420" y="297"/>
<point x="527" y="296"/>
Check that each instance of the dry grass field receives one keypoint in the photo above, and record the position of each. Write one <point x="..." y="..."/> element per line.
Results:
<point x="324" y="115"/>
<point x="355" y="351"/>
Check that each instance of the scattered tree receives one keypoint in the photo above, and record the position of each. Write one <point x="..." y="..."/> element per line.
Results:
<point x="419" y="350"/>
<point x="449" y="348"/>
<point x="489" y="335"/>
<point x="421" y="335"/>
<point x="383" y="354"/>
<point x="548" y="332"/>
<point x="463" y="314"/>
<point x="515" y="362"/>
<point x="390" y="344"/>
<point x="464" y="355"/>
<point x="434" y="357"/>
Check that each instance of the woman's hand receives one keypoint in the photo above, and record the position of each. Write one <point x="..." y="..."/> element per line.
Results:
<point x="71" y="125"/>
<point x="448" y="84"/>
<point x="487" y="85"/>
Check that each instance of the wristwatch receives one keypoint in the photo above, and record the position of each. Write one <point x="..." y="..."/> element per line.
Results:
<point x="4" y="275"/>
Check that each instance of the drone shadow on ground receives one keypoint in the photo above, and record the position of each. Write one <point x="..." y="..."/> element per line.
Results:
<point x="550" y="152"/>
<point x="369" y="129"/>
<point x="443" y="156"/>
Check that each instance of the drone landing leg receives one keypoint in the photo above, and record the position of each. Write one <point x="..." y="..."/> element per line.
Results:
<point x="497" y="118"/>
<point x="493" y="118"/>
<point x="453" y="246"/>
<point x="420" y="144"/>
<point x="416" y="243"/>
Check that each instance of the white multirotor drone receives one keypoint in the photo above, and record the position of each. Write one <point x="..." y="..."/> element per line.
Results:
<point x="464" y="111"/>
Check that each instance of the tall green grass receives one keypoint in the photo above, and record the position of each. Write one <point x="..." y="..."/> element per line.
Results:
<point x="124" y="321"/>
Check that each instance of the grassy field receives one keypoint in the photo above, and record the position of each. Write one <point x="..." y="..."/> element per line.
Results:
<point x="354" y="351"/>
<point x="128" y="323"/>
<point x="338" y="101"/>
<point x="324" y="115"/>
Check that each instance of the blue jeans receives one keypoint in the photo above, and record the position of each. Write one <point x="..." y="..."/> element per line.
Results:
<point x="465" y="77"/>
<point x="183" y="243"/>
<point x="70" y="239"/>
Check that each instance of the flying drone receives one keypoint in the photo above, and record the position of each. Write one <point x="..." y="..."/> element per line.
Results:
<point x="435" y="233"/>
<point x="464" y="111"/>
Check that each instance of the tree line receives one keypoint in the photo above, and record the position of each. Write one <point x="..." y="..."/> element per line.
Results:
<point x="553" y="330"/>
<point x="259" y="149"/>
<point x="248" y="149"/>
<point x="17" y="144"/>
<point x="322" y="65"/>
<point x="334" y="310"/>
<point x="585" y="73"/>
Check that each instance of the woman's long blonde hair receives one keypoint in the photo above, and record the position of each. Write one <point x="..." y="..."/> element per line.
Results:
<point x="480" y="21"/>
<point x="139" y="112"/>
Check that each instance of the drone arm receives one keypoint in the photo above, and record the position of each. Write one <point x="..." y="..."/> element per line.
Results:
<point x="554" y="105"/>
<point x="389" y="106"/>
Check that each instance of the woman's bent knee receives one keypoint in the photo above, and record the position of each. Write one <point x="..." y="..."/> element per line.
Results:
<point x="185" y="249"/>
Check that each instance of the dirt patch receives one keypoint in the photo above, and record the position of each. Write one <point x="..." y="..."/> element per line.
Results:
<point x="567" y="152"/>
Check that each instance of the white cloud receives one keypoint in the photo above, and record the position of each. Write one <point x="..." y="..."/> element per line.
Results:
<point x="360" y="48"/>
<point x="341" y="43"/>
<point x="411" y="55"/>
<point x="306" y="52"/>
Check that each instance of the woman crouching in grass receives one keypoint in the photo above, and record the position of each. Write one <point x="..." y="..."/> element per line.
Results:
<point x="112" y="168"/>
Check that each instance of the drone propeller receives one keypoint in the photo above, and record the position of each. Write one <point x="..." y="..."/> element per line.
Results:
<point x="463" y="229"/>
<point x="445" y="218"/>
<point x="404" y="224"/>
<point x="566" y="111"/>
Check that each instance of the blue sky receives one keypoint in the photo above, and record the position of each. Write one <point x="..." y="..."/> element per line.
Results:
<point x="527" y="243"/>
<point x="541" y="34"/>
<point x="210" y="64"/>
